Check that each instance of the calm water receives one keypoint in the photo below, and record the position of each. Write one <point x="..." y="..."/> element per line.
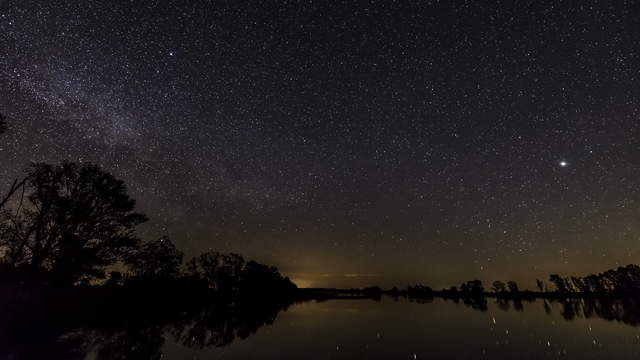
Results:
<point x="337" y="329"/>
<point x="390" y="329"/>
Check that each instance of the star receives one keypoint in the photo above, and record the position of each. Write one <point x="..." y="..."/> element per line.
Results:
<point x="270" y="135"/>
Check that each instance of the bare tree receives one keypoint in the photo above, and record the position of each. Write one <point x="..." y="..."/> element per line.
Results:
<point x="15" y="186"/>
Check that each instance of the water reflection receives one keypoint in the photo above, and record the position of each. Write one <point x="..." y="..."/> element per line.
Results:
<point x="198" y="330"/>
<point x="625" y="310"/>
<point x="128" y="334"/>
<point x="220" y="325"/>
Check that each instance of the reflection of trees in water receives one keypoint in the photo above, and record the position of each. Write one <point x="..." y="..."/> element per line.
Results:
<point x="505" y="304"/>
<point x="136" y="337"/>
<point x="125" y="336"/>
<point x="476" y="302"/>
<point x="215" y="326"/>
<point x="222" y="323"/>
<point x="136" y="342"/>
<point x="625" y="310"/>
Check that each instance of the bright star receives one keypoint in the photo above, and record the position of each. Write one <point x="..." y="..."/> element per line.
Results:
<point x="563" y="163"/>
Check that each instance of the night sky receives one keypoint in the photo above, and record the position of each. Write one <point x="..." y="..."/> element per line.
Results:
<point x="348" y="143"/>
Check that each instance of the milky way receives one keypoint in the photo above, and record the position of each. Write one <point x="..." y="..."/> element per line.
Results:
<point x="348" y="143"/>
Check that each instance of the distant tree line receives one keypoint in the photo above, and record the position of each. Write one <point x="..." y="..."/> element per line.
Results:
<point x="471" y="288"/>
<point x="621" y="281"/>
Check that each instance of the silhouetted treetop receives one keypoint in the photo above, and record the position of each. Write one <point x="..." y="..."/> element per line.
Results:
<point x="220" y="271"/>
<point x="257" y="277"/>
<point x="419" y="291"/>
<point x="230" y="274"/>
<point x="498" y="287"/>
<point x="71" y="222"/>
<point x="623" y="280"/>
<point x="472" y="286"/>
<point x="155" y="259"/>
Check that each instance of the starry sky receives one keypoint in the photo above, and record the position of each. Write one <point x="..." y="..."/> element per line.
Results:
<point x="349" y="143"/>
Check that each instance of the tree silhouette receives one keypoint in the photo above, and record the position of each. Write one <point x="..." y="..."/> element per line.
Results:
<point x="623" y="280"/>
<point x="513" y="286"/>
<point x="558" y="282"/>
<point x="230" y="275"/>
<point x="3" y="124"/>
<point x="222" y="272"/>
<point x="159" y="259"/>
<point x="579" y="284"/>
<point x="76" y="220"/>
<point x="115" y="278"/>
<point x="259" y="278"/>
<point x="473" y="287"/>
<point x="17" y="184"/>
<point x="498" y="287"/>
<point x="420" y="291"/>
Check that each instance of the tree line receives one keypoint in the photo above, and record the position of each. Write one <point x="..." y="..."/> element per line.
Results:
<point x="624" y="280"/>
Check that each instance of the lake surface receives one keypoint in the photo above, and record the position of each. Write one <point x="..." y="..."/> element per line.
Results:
<point x="333" y="329"/>
<point x="399" y="329"/>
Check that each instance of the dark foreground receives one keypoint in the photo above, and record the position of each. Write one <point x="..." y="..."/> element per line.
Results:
<point x="119" y="323"/>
